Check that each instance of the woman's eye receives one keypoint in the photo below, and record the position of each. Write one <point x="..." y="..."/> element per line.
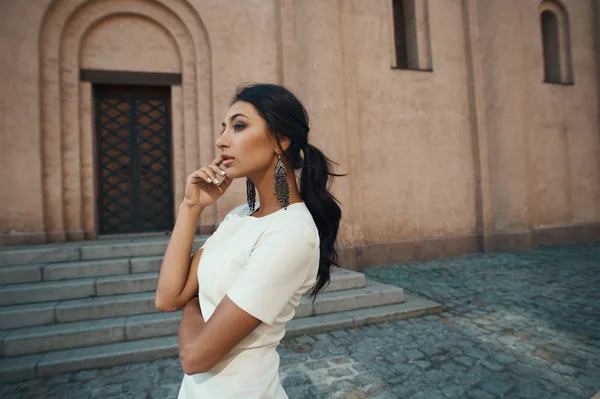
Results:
<point x="239" y="126"/>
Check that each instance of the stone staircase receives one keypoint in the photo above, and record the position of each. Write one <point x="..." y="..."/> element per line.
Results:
<point x="82" y="305"/>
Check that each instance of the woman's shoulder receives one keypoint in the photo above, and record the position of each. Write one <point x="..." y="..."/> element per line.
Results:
<point x="295" y="220"/>
<point x="295" y="223"/>
<point x="298" y="215"/>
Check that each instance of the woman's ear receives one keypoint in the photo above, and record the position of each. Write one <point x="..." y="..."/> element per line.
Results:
<point x="281" y="142"/>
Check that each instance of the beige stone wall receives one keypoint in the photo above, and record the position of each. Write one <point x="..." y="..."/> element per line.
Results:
<point x="21" y="199"/>
<point x="563" y="139"/>
<point x="416" y="167"/>
<point x="544" y="141"/>
<point x="476" y="154"/>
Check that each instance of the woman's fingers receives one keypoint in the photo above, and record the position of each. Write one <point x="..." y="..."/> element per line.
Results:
<point x="206" y="175"/>
<point x="218" y="171"/>
<point x="198" y="176"/>
<point x="212" y="174"/>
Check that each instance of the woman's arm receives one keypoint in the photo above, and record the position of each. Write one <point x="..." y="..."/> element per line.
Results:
<point x="191" y="324"/>
<point x="203" y="344"/>
<point x="177" y="281"/>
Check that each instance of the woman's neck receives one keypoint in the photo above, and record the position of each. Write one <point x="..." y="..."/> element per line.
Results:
<point x="269" y="203"/>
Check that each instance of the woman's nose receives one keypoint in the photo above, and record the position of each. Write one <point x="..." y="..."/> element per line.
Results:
<point x="221" y="141"/>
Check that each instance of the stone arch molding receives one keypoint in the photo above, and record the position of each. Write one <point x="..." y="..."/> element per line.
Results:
<point x="68" y="175"/>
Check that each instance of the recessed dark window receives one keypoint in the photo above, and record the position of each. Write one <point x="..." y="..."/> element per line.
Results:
<point x="400" y="34"/>
<point x="551" y="46"/>
<point x="411" y="37"/>
<point x="556" y="44"/>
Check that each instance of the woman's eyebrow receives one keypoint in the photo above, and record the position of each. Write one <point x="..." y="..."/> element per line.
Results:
<point x="236" y="115"/>
<point x="232" y="117"/>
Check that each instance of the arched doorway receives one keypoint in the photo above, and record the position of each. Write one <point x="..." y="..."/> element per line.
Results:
<point x="124" y="36"/>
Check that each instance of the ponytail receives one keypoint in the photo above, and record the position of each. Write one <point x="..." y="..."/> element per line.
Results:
<point x="324" y="208"/>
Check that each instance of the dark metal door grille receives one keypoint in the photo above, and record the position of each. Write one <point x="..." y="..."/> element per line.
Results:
<point x="133" y="143"/>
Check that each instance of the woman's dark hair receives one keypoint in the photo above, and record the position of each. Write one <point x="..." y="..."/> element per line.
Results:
<point x="286" y="116"/>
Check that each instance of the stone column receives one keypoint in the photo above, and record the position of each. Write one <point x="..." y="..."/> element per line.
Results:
<point x="478" y="122"/>
<point x="324" y="85"/>
<point x="505" y="91"/>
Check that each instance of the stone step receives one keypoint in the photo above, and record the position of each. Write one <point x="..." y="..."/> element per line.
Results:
<point x="79" y="269"/>
<point x="88" y="250"/>
<point x="16" y="294"/>
<point x="413" y="306"/>
<point x="373" y="294"/>
<point x="344" y="279"/>
<point x="28" y="340"/>
<point x="76" y="310"/>
<point x="31" y="340"/>
<point x="119" y="283"/>
<point x="50" y="363"/>
<point x="85" y="269"/>
<point x="103" y="307"/>
<point x="21" y="274"/>
<point x="132" y="283"/>
<point x="112" y="267"/>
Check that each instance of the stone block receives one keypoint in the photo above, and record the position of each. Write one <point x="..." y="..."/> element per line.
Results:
<point x="122" y="250"/>
<point x="146" y="264"/>
<point x="3" y="335"/>
<point x="152" y="325"/>
<point x="38" y="254"/>
<point x="46" y="291"/>
<point x="83" y="269"/>
<point x="20" y="274"/>
<point x="18" y="369"/>
<point x="375" y="294"/>
<point x="27" y="315"/>
<point x="116" y="285"/>
<point x="105" y="307"/>
<point x="25" y="341"/>
<point x="318" y="324"/>
<point x="304" y="308"/>
<point x="342" y="279"/>
<point x="107" y="355"/>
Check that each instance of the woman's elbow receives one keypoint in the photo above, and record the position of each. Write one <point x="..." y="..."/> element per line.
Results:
<point x="189" y="363"/>
<point x="163" y="305"/>
<point x="191" y="369"/>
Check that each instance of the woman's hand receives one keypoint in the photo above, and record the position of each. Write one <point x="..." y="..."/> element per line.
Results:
<point x="201" y="189"/>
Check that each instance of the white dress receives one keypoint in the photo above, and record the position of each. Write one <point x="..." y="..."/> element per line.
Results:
<point x="264" y="265"/>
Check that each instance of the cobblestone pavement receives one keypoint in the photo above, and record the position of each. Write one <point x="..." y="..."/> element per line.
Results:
<point x="517" y="326"/>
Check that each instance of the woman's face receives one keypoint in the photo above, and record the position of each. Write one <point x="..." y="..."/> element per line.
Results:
<point x="246" y="141"/>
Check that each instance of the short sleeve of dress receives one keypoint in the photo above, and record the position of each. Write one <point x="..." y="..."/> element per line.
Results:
<point x="276" y="268"/>
<point x="206" y="242"/>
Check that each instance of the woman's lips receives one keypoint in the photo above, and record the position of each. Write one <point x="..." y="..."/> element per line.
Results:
<point x="227" y="162"/>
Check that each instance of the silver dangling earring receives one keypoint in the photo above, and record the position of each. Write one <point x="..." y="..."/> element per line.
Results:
<point x="282" y="190"/>
<point x="250" y="194"/>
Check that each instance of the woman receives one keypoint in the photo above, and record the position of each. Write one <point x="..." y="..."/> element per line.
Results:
<point x="242" y="287"/>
